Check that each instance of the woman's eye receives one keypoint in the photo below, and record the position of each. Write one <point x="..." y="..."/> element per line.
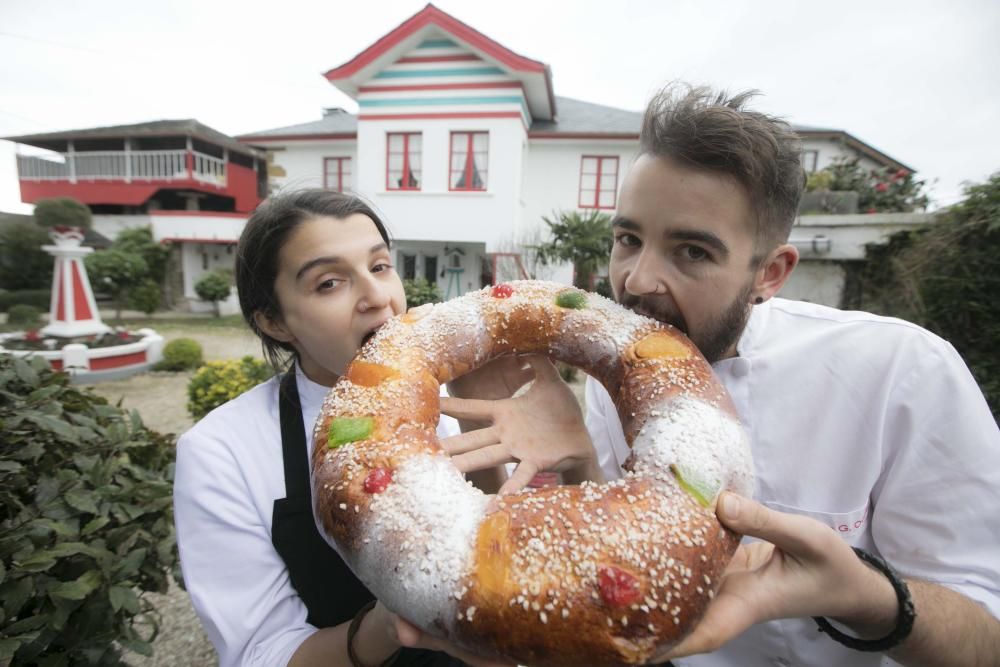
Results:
<point x="378" y="268"/>
<point x="328" y="284"/>
<point x="627" y="240"/>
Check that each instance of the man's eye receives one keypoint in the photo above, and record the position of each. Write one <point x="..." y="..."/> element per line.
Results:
<point x="628" y="240"/>
<point x="695" y="253"/>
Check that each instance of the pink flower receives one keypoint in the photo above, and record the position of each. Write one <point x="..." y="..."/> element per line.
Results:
<point x="123" y="335"/>
<point x="872" y="210"/>
<point x="32" y="336"/>
<point x="881" y="187"/>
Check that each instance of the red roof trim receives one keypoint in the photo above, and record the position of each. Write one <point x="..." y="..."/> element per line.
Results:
<point x="214" y="214"/>
<point x="445" y="115"/>
<point x="179" y="239"/>
<point x="442" y="86"/>
<point x="432" y="15"/>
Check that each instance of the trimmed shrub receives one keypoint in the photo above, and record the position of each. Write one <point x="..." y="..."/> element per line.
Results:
<point x="180" y="354"/>
<point x="219" y="381"/>
<point x="39" y="298"/>
<point x="23" y="263"/>
<point x="24" y="315"/>
<point x="87" y="522"/>
<point x="62" y="212"/>
<point x="419" y="291"/>
<point x="145" y="297"/>
<point x="214" y="287"/>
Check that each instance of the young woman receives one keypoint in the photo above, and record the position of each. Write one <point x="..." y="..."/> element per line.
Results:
<point x="315" y="280"/>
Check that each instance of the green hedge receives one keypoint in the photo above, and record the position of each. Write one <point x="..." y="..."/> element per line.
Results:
<point x="86" y="523"/>
<point x="39" y="298"/>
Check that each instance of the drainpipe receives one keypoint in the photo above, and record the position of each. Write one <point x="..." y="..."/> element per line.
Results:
<point x="71" y="159"/>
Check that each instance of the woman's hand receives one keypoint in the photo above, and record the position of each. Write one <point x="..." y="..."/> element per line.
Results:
<point x="541" y="429"/>
<point x="409" y="635"/>
<point x="803" y="569"/>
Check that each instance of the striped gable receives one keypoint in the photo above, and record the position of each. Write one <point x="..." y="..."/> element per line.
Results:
<point x="442" y="78"/>
<point x="433" y="65"/>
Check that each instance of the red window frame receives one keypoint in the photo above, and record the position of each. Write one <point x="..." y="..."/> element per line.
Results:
<point x="341" y="161"/>
<point x="595" y="200"/>
<point x="468" y="169"/>
<point x="407" y="173"/>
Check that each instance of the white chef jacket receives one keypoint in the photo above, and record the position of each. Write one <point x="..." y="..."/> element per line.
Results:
<point x="874" y="427"/>
<point x="229" y="473"/>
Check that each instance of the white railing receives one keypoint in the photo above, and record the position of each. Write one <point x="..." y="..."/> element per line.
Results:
<point x="125" y="166"/>
<point x="209" y="169"/>
<point x="159" y="165"/>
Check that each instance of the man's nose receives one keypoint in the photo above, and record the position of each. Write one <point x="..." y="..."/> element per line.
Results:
<point x="646" y="276"/>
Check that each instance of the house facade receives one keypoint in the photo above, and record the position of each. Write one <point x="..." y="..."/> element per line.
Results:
<point x="463" y="147"/>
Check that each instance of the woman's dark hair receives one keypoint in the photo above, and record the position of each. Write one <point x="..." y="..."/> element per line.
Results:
<point x="260" y="245"/>
<point x="714" y="131"/>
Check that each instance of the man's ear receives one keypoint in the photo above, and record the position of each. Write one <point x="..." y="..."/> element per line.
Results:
<point x="273" y="327"/>
<point x="775" y="270"/>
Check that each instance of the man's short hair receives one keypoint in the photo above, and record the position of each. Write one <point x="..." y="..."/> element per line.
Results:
<point x="712" y="131"/>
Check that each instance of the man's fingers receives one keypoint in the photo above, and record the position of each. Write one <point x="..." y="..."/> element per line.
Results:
<point x="467" y="408"/>
<point x="543" y="368"/>
<point x="797" y="536"/>
<point x="523" y="473"/>
<point x="481" y="459"/>
<point x="466" y="442"/>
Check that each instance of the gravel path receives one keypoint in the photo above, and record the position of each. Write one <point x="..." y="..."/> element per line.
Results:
<point x="161" y="399"/>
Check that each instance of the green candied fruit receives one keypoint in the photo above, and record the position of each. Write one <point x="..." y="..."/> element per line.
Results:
<point x="701" y="490"/>
<point x="572" y="298"/>
<point x="349" y="429"/>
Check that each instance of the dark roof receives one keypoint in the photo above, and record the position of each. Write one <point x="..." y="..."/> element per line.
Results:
<point x="579" y="117"/>
<point x="157" y="128"/>
<point x="335" y="122"/>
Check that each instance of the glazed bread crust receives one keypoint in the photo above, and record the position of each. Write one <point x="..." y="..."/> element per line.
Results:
<point x="609" y="574"/>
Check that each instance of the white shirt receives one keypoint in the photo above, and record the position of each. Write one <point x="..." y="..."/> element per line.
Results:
<point x="229" y="473"/>
<point x="870" y="425"/>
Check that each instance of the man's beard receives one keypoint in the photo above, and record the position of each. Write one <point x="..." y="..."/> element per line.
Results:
<point x="717" y="336"/>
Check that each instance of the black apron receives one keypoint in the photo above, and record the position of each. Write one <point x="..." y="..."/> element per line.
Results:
<point x="330" y="591"/>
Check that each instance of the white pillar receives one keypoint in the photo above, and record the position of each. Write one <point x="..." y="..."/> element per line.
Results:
<point x="72" y="310"/>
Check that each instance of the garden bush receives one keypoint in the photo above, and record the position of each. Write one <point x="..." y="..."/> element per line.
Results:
<point x="24" y="315"/>
<point x="145" y="297"/>
<point x="418" y="292"/>
<point x="86" y="523"/>
<point x="180" y="354"/>
<point x="219" y="381"/>
<point x="39" y="298"/>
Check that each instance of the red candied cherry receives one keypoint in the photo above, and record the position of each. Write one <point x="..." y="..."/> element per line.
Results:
<point x="502" y="291"/>
<point x="618" y="588"/>
<point x="377" y="480"/>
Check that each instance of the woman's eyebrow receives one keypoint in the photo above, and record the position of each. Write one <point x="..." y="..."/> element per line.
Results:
<point x="335" y="259"/>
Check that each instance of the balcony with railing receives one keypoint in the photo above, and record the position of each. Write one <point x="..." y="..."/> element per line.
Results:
<point x="125" y="166"/>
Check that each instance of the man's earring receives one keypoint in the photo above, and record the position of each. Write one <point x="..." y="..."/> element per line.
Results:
<point x="759" y="300"/>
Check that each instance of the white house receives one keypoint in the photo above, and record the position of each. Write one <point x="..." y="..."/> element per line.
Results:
<point x="464" y="146"/>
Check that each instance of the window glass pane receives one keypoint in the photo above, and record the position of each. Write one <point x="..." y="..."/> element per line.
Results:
<point x="415" y="161"/>
<point x="607" y="199"/>
<point x="409" y="264"/>
<point x="396" y="162"/>
<point x="457" y="179"/>
<point x="588" y="182"/>
<point x="586" y="197"/>
<point x="589" y="165"/>
<point x="480" y="141"/>
<point x="395" y="142"/>
<point x="609" y="166"/>
<point x="459" y="141"/>
<point x="430" y="269"/>
<point x="415" y="143"/>
<point x="608" y="181"/>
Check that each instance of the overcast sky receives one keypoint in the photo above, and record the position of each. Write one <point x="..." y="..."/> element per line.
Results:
<point x="920" y="81"/>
